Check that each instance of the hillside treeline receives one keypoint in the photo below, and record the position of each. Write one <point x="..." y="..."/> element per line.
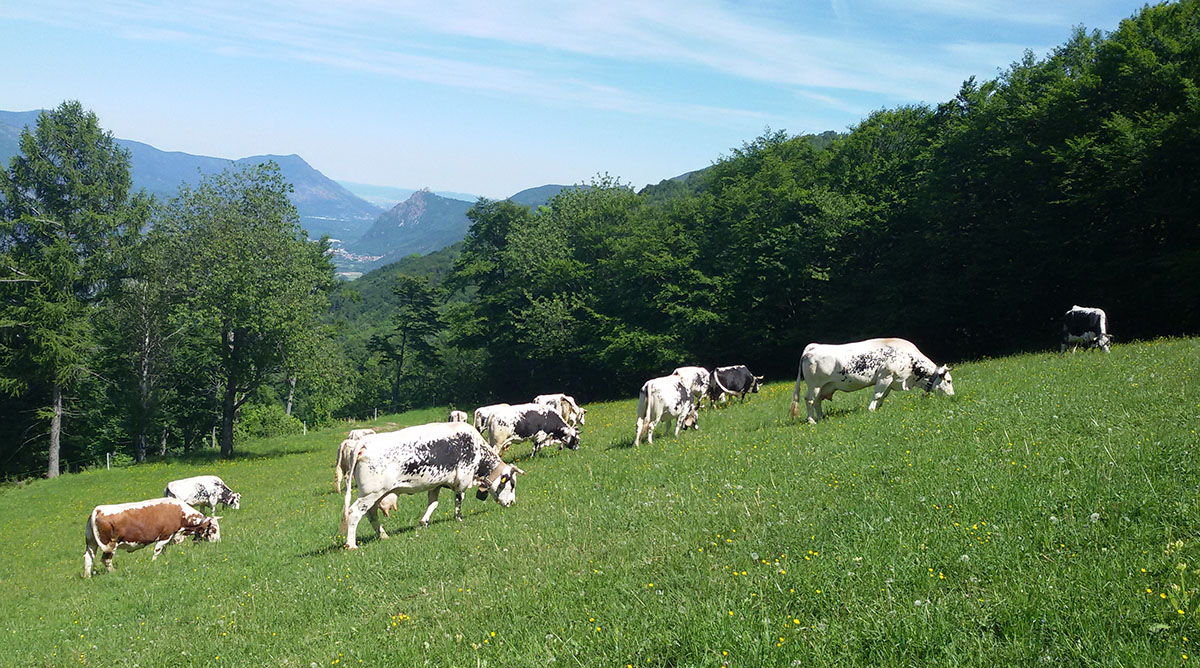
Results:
<point x="968" y="227"/>
<point x="153" y="328"/>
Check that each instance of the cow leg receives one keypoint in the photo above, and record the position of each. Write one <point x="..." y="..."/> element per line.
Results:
<point x="813" y="402"/>
<point x="641" y="429"/>
<point x="106" y="557"/>
<point x="158" y="546"/>
<point x="89" y="557"/>
<point x="679" y="421"/>
<point x="337" y="477"/>
<point x="458" y="498"/>
<point x="433" y="504"/>
<point x="883" y="385"/>
<point x="373" y="518"/>
<point x="355" y="514"/>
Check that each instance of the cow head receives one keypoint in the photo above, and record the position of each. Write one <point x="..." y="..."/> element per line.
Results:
<point x="757" y="381"/>
<point x="208" y="529"/>
<point x="1104" y="342"/>
<point x="232" y="499"/>
<point x="940" y="381"/>
<point x="502" y="486"/>
<point x="690" y="421"/>
<point x="582" y="416"/>
<point x="571" y="438"/>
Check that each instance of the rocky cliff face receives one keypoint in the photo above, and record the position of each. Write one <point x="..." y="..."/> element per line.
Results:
<point x="423" y="223"/>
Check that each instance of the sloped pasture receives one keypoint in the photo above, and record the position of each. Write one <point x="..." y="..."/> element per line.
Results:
<point x="1046" y="514"/>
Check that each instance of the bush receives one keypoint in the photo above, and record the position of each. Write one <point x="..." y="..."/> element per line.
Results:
<point x="264" y="421"/>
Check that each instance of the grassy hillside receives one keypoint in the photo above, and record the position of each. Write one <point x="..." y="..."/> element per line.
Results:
<point x="1047" y="514"/>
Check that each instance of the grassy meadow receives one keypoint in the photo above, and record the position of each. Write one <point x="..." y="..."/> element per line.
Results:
<point x="1046" y="514"/>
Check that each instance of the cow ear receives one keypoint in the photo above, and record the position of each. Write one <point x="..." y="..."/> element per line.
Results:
<point x="216" y="517"/>
<point x="517" y="471"/>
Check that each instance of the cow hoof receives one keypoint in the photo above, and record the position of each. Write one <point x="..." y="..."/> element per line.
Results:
<point x="424" y="524"/>
<point x="351" y="547"/>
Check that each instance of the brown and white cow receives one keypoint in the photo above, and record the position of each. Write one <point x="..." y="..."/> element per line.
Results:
<point x="132" y="526"/>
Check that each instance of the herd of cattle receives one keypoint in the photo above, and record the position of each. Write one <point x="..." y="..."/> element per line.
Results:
<point x="460" y="454"/>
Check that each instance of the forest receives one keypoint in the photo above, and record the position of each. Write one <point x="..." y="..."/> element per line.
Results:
<point x="139" y="328"/>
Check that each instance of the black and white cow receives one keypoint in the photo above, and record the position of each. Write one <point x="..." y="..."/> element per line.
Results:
<point x="732" y="381"/>
<point x="424" y="458"/>
<point x="887" y="364"/>
<point x="661" y="396"/>
<point x="566" y="407"/>
<point x="524" y="422"/>
<point x="458" y="416"/>
<point x="203" y="490"/>
<point x="697" y="378"/>
<point x="1086" y="325"/>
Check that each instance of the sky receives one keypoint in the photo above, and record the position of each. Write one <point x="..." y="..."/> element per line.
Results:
<point x="490" y="97"/>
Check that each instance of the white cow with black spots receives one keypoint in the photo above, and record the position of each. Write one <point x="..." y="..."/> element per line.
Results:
<point x="203" y="490"/>
<point x="886" y="364"/>
<point x="662" y="396"/>
<point x="424" y="458"/>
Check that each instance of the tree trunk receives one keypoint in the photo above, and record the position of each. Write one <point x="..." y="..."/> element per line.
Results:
<point x="291" y="394"/>
<point x="55" y="431"/>
<point x="143" y="416"/>
<point x="163" y="445"/>
<point x="228" y="408"/>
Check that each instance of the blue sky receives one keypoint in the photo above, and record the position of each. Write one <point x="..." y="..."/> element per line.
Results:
<point x="491" y="97"/>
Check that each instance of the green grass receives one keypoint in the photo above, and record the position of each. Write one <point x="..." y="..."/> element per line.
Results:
<point x="1033" y="519"/>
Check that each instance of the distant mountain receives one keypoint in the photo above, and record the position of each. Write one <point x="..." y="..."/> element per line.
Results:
<point x="423" y="223"/>
<point x="325" y="207"/>
<point x="539" y="196"/>
<point x="386" y="197"/>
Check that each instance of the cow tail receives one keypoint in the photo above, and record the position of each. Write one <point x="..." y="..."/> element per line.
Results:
<point x="349" y="479"/>
<point x="795" y="409"/>
<point x="642" y="412"/>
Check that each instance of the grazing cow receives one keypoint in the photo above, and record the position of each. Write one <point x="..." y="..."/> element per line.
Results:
<point x="132" y="526"/>
<point x="203" y="490"/>
<point x="458" y="416"/>
<point x="697" y="378"/>
<point x="888" y="364"/>
<point x="523" y="422"/>
<point x="424" y="458"/>
<point x="341" y="467"/>
<point x="566" y="407"/>
<point x="484" y="413"/>
<point x="732" y="381"/>
<point x="659" y="396"/>
<point x="1086" y="325"/>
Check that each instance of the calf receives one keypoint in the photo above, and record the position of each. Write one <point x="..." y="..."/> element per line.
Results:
<point x="458" y="416"/>
<point x="1086" y="325"/>
<point x="659" y="396"/>
<point x="524" y="422"/>
<point x="424" y="458"/>
<point x="132" y="526"/>
<point x="732" y="381"/>
<point x="888" y="364"/>
<point x="697" y="378"/>
<point x="566" y="407"/>
<point x="203" y="490"/>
